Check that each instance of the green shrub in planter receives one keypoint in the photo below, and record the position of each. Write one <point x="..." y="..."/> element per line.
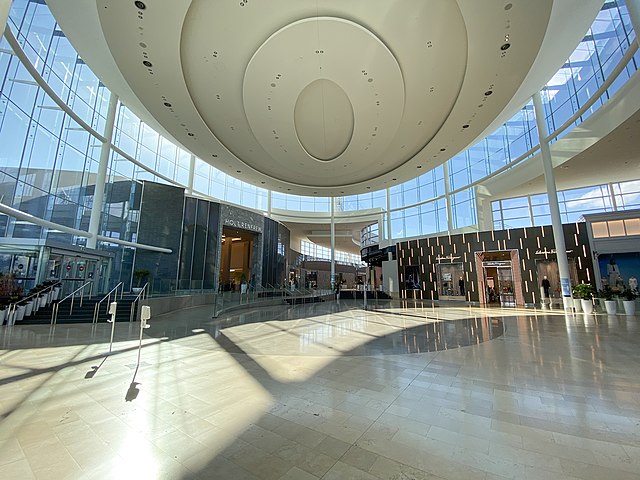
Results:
<point x="583" y="291"/>
<point x="606" y="293"/>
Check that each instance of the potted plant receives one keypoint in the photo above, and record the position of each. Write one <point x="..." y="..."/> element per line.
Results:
<point x="629" y="302"/>
<point x="56" y="292"/>
<point x="20" y="309"/>
<point x="584" y="291"/>
<point x="29" y="307"/>
<point x="139" y="275"/>
<point x="610" y="304"/>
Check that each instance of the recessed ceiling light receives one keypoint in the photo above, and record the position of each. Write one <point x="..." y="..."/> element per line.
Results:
<point x="488" y="92"/>
<point x="139" y="4"/>
<point x="505" y="46"/>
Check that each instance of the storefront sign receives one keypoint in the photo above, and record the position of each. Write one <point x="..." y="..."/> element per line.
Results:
<point x="450" y="257"/>
<point x="566" y="287"/>
<point x="553" y="251"/>
<point x="243" y="225"/>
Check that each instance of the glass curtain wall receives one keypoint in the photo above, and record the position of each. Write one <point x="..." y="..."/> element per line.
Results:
<point x="533" y="210"/>
<point x="48" y="162"/>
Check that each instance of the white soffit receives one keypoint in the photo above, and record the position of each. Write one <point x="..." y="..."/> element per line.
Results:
<point x="321" y="98"/>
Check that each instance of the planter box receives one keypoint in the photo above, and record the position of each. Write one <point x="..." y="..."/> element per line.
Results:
<point x="629" y="307"/>
<point x="56" y="293"/>
<point x="611" y="306"/>
<point x="20" y="313"/>
<point x="29" y="308"/>
<point x="3" y="316"/>
<point x="587" y="306"/>
<point x="43" y="300"/>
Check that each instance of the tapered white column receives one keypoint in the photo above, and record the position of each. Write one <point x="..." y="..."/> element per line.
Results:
<point x="554" y="208"/>
<point x="447" y="195"/>
<point x="5" y="6"/>
<point x="192" y="171"/>
<point x="101" y="176"/>
<point x="269" y="192"/>
<point x="333" y="244"/>
<point x="388" y="217"/>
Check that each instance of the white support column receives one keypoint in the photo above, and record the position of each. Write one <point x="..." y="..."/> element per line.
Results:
<point x="554" y="208"/>
<point x="633" y="6"/>
<point x="530" y="210"/>
<point x="389" y="240"/>
<point x="101" y="177"/>
<point x="447" y="195"/>
<point x="333" y="244"/>
<point x="5" y="6"/>
<point x="612" y="196"/>
<point x="269" y="192"/>
<point x="192" y="171"/>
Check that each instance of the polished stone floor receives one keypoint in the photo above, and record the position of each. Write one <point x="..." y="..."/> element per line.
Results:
<point x="326" y="391"/>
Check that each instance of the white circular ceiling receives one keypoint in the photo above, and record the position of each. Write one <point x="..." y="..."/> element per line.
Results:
<point x="324" y="97"/>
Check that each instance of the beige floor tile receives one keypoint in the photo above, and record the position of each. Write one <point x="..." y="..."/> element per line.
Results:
<point x="303" y="393"/>
<point x="20" y="469"/>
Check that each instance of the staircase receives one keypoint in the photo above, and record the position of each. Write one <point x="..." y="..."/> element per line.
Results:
<point x="81" y="314"/>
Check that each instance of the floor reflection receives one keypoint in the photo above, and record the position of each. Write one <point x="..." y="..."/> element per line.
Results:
<point x="339" y="329"/>
<point x="433" y="337"/>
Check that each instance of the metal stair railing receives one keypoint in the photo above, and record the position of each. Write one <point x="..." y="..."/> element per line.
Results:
<point x="72" y="296"/>
<point x="143" y="294"/>
<point x="11" y="310"/>
<point x="113" y="291"/>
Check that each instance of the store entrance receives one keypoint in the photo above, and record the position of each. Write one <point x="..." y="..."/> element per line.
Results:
<point x="74" y="271"/>
<point x="236" y="265"/>
<point x="497" y="280"/>
<point x="451" y="284"/>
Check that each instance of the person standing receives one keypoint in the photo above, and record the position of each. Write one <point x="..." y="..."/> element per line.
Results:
<point x="546" y="285"/>
<point x="461" y="286"/>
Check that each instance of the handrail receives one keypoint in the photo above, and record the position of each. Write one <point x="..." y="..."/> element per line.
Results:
<point x="96" y="309"/>
<point x="72" y="295"/>
<point x="11" y="309"/>
<point x="141" y="296"/>
<point x="40" y="292"/>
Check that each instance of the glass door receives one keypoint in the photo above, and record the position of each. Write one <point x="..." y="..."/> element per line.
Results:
<point x="505" y="286"/>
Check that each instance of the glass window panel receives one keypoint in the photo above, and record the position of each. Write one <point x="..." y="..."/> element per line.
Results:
<point x="616" y="228"/>
<point x="600" y="229"/>
<point x="632" y="226"/>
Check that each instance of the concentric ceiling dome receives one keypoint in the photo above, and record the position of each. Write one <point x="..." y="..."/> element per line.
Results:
<point x="324" y="97"/>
